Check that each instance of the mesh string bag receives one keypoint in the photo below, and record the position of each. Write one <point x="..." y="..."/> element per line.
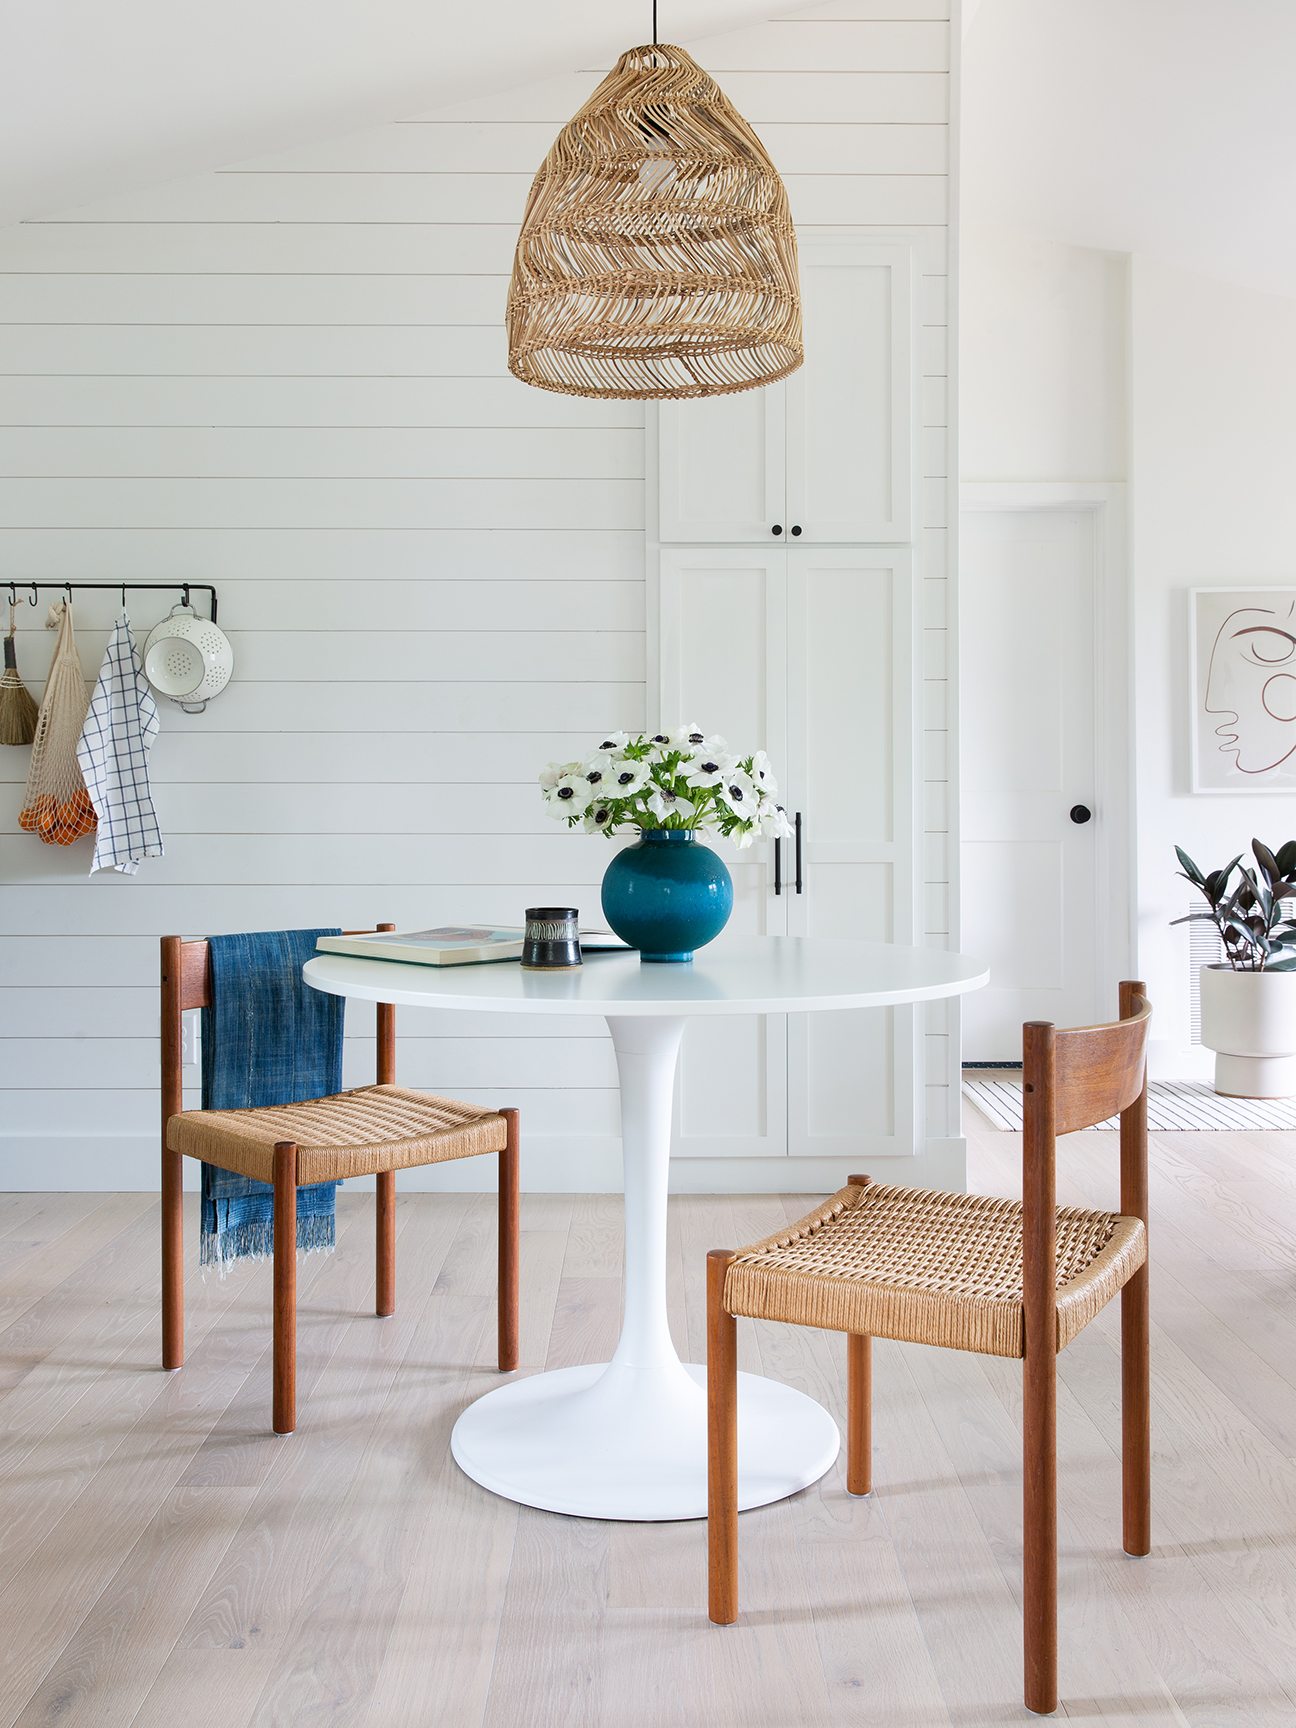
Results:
<point x="56" y="806"/>
<point x="657" y="257"/>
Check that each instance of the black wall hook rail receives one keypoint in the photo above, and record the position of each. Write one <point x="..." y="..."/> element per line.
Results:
<point x="114" y="587"/>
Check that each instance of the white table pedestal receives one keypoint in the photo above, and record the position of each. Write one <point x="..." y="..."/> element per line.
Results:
<point x="627" y="1439"/>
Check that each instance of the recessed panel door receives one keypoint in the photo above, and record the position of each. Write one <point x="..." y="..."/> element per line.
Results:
<point x="723" y="667"/>
<point x="722" y="467"/>
<point x="850" y="778"/>
<point x="852" y="406"/>
<point x="1030" y="814"/>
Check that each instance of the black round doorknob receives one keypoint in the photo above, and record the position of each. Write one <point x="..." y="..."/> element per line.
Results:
<point x="777" y="528"/>
<point x="1080" y="812"/>
<point x="796" y="530"/>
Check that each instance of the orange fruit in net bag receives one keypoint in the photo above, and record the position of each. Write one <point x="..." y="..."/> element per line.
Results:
<point x="59" y="824"/>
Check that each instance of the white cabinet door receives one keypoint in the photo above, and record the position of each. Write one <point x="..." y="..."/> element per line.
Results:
<point x="852" y="774"/>
<point x="722" y="467"/>
<point x="853" y="407"/>
<point x="829" y="455"/>
<point x="1029" y="758"/>
<point x="723" y="667"/>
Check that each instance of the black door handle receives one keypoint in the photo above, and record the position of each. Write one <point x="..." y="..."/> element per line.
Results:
<point x="778" y="866"/>
<point x="1080" y="812"/>
<point x="796" y="530"/>
<point x="777" y="528"/>
<point x="798" y="851"/>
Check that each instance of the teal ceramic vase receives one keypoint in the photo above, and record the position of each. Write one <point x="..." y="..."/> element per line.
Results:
<point x="667" y="895"/>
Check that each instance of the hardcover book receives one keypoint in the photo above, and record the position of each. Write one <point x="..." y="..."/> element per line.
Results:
<point x="450" y="944"/>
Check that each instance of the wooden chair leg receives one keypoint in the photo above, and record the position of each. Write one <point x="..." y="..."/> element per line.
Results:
<point x="385" y="1243"/>
<point x="172" y="1259"/>
<point x="859" y="1400"/>
<point x="859" y="1413"/>
<point x="1136" y="1416"/>
<point x="510" y="1207"/>
<point x="285" y="1287"/>
<point x="1039" y="1508"/>
<point x="722" y="1446"/>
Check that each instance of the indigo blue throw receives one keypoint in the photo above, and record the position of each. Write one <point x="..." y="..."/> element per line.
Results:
<point x="266" y="1039"/>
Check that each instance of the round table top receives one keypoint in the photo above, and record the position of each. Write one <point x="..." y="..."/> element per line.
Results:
<point x="735" y="975"/>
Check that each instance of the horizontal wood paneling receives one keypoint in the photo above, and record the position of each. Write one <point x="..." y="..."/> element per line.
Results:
<point x="289" y="379"/>
<point x="158" y="400"/>
<point x="346" y="453"/>
<point x="272" y="502"/>
<point x="157" y="554"/>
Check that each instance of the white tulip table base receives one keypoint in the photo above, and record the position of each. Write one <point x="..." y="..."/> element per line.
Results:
<point x="606" y="1441"/>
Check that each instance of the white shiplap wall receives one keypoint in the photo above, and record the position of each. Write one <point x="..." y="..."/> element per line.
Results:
<point x="289" y="379"/>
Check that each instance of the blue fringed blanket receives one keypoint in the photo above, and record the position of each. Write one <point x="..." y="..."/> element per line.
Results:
<point x="266" y="1039"/>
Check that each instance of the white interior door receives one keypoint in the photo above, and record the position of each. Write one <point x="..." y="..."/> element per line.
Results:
<point x="853" y="406"/>
<point x="722" y="467"/>
<point x="1029" y="757"/>
<point x="724" y="668"/>
<point x="851" y="774"/>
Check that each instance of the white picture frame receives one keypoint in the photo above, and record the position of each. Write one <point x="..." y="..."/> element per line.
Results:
<point x="1242" y="658"/>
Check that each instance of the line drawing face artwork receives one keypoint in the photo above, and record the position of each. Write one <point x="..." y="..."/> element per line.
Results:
<point x="1244" y="689"/>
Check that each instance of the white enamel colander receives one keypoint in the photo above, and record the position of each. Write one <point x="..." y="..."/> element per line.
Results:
<point x="188" y="659"/>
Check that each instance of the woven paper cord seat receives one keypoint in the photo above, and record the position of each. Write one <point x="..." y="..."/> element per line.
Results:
<point x="929" y="1268"/>
<point x="351" y="1134"/>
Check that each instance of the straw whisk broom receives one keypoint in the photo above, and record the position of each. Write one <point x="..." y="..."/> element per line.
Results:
<point x="18" y="709"/>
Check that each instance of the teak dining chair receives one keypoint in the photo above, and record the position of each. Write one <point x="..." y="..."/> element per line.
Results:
<point x="968" y="1273"/>
<point x="373" y="1130"/>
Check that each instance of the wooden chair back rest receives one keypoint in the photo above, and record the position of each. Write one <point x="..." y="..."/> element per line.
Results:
<point x="1098" y="1070"/>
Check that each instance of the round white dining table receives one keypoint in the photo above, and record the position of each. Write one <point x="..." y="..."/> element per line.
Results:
<point x="626" y="1439"/>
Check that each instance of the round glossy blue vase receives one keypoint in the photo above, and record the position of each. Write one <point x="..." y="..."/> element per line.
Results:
<point x="667" y="895"/>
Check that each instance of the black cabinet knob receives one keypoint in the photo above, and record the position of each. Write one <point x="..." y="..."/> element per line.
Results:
<point x="796" y="530"/>
<point x="777" y="528"/>
<point x="1080" y="812"/>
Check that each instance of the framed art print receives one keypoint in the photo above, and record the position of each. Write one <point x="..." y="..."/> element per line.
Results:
<point x="1243" y="651"/>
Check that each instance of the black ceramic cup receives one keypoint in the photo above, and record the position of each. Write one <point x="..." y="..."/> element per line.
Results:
<point x="552" y="940"/>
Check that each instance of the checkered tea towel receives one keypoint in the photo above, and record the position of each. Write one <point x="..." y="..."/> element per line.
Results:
<point x="113" y="753"/>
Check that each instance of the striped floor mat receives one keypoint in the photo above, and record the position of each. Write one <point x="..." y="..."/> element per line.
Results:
<point x="1174" y="1106"/>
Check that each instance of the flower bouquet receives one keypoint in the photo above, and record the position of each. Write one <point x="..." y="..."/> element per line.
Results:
<point x="682" y="779"/>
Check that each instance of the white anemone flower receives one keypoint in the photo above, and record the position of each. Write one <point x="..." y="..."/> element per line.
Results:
<point x="708" y="770"/>
<point x="687" y="738"/>
<point x="661" y="743"/>
<point x="598" y="818"/>
<point x="615" y="742"/>
<point x="762" y="772"/>
<point x="626" y="778"/>
<point x="597" y="769"/>
<point x="774" y="824"/>
<point x="664" y="803"/>
<point x="551" y="775"/>
<point x="740" y="794"/>
<point x="743" y="837"/>
<point x="572" y="795"/>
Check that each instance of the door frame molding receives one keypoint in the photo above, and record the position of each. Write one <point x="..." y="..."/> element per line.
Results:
<point x="1105" y="501"/>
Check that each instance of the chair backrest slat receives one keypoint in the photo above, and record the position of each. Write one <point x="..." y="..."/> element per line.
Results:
<point x="195" y="975"/>
<point x="1099" y="1070"/>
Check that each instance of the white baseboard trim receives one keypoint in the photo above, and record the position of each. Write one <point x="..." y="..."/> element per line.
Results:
<point x="551" y="1164"/>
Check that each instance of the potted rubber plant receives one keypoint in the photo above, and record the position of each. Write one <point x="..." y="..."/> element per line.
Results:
<point x="1248" y="1000"/>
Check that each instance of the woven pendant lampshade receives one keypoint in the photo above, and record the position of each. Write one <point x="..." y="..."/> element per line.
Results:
<point x="657" y="257"/>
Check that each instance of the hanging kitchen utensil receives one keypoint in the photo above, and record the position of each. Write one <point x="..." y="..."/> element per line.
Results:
<point x="18" y="708"/>
<point x="56" y="805"/>
<point x="187" y="659"/>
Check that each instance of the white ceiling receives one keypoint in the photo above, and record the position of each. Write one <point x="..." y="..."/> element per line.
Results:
<point x="100" y="96"/>
<point x="1160" y="126"/>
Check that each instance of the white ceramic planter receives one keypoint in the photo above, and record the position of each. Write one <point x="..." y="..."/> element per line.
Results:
<point x="1249" y="1020"/>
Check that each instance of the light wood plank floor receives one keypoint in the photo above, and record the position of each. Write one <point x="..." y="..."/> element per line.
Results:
<point x="164" y="1558"/>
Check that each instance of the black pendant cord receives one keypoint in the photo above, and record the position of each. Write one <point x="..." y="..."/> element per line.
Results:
<point x="654" y="23"/>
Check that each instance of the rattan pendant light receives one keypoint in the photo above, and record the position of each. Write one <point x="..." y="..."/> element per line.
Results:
<point x="657" y="257"/>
